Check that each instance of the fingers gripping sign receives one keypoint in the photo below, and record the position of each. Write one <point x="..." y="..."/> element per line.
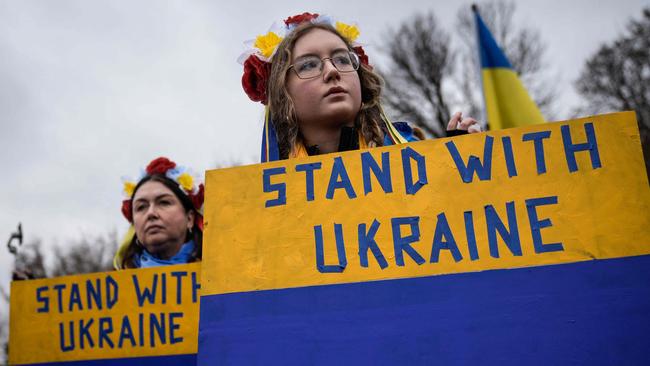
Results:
<point x="457" y="122"/>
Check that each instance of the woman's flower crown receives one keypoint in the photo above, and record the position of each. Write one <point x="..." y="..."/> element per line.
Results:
<point x="165" y="167"/>
<point x="259" y="56"/>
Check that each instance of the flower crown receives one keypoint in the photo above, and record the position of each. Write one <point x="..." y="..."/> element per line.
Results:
<point x="181" y="175"/>
<point x="258" y="58"/>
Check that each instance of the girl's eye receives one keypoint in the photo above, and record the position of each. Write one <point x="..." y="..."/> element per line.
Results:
<point x="140" y="207"/>
<point x="342" y="59"/>
<point x="308" y="64"/>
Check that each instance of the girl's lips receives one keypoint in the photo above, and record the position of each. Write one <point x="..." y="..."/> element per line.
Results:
<point x="335" y="90"/>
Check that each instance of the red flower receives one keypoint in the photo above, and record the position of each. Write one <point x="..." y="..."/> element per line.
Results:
<point x="126" y="210"/>
<point x="363" y="58"/>
<point x="300" y="18"/>
<point x="198" y="221"/>
<point x="160" y="166"/>
<point x="256" y="73"/>
<point x="197" y="199"/>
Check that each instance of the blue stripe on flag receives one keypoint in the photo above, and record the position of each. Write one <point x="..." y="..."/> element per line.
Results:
<point x="491" y="54"/>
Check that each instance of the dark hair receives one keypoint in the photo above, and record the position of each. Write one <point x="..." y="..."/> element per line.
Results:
<point x="196" y="235"/>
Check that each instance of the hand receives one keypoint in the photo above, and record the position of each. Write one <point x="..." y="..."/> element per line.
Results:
<point x="457" y="122"/>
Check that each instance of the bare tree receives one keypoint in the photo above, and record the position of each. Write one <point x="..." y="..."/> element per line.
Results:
<point x="4" y="335"/>
<point x="85" y="256"/>
<point x="420" y="62"/>
<point x="617" y="77"/>
<point x="523" y="47"/>
<point x="82" y="256"/>
<point x="30" y="260"/>
<point x="422" y="81"/>
<point x="4" y="326"/>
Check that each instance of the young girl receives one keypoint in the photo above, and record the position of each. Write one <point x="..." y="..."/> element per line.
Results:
<point x="321" y="94"/>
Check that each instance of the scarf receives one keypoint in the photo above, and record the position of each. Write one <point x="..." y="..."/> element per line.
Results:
<point x="147" y="260"/>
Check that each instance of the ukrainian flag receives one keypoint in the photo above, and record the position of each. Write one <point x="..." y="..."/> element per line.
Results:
<point x="506" y="100"/>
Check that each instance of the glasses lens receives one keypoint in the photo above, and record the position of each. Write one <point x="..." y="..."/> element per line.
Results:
<point x="311" y="66"/>
<point x="308" y="67"/>
<point x="345" y="61"/>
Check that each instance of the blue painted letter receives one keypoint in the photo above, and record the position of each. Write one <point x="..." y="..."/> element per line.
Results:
<point x="309" y="177"/>
<point x="538" y="140"/>
<point x="537" y="225"/>
<point x="444" y="239"/>
<point x="382" y="174"/>
<point x="367" y="241"/>
<point x="509" y="156"/>
<point x="483" y="170"/>
<point x="45" y="300"/>
<point x="62" y="338"/>
<point x="281" y="188"/>
<point x="403" y="243"/>
<point x="338" y="171"/>
<point x="570" y="148"/>
<point x="411" y="186"/>
<point x="147" y="294"/>
<point x="495" y="224"/>
<point x="471" y="236"/>
<point x="340" y="249"/>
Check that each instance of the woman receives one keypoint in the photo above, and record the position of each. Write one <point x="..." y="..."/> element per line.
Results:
<point x="321" y="94"/>
<point x="164" y="208"/>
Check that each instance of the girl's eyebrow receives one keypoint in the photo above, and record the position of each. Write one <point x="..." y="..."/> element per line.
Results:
<point x="306" y="55"/>
<point x="309" y="54"/>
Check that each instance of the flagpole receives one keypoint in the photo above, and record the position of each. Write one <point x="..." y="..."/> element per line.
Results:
<point x="477" y="58"/>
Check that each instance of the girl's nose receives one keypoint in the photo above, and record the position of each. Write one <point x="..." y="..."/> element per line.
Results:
<point x="329" y="71"/>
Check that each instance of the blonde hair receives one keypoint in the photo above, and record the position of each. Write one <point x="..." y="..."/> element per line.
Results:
<point x="369" y="119"/>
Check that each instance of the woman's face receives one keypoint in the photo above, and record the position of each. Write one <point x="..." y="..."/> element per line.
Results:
<point x="331" y="99"/>
<point x="160" y="220"/>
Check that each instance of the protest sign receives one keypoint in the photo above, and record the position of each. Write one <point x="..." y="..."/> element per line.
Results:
<point x="144" y="316"/>
<point x="339" y="257"/>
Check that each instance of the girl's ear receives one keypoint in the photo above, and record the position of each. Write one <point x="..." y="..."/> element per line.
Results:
<point x="190" y="220"/>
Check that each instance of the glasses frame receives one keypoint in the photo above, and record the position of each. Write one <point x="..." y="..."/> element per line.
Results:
<point x="353" y="57"/>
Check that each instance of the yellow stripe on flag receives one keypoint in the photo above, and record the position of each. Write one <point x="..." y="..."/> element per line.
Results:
<point x="507" y="101"/>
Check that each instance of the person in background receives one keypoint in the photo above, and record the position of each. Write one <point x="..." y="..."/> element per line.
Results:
<point x="320" y="92"/>
<point x="165" y="209"/>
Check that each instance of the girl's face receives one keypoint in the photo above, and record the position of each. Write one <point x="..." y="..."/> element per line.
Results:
<point x="331" y="99"/>
<point x="160" y="220"/>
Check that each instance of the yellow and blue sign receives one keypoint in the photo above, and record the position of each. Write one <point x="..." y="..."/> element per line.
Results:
<point x="525" y="244"/>
<point x="144" y="316"/>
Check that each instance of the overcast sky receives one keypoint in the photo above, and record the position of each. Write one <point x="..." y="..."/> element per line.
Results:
<point x="93" y="90"/>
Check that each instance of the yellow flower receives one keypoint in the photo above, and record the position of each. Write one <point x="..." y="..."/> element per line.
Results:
<point x="129" y="187"/>
<point x="349" y="32"/>
<point x="267" y="43"/>
<point x="186" y="181"/>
